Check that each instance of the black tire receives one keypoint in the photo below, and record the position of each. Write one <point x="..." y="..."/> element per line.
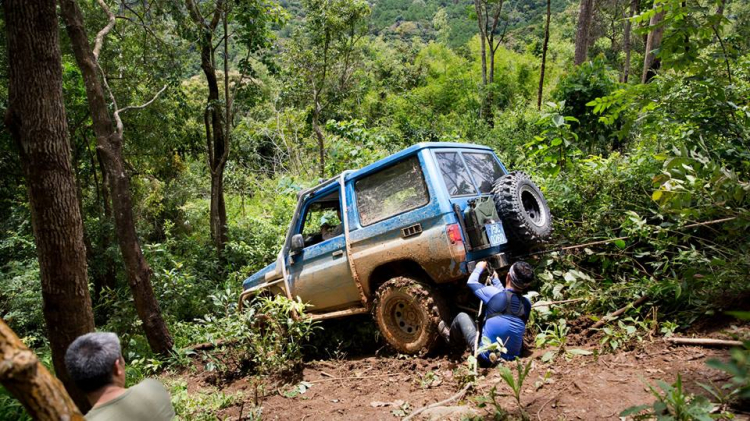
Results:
<point x="523" y="209"/>
<point x="408" y="313"/>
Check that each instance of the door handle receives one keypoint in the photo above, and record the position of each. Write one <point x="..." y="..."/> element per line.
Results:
<point x="337" y="253"/>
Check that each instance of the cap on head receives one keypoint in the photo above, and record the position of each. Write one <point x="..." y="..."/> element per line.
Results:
<point x="90" y="360"/>
<point x="521" y="275"/>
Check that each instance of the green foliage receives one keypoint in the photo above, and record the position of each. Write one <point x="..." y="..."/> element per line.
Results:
<point x="514" y="382"/>
<point x="738" y="366"/>
<point x="576" y="90"/>
<point x="624" y="333"/>
<point x="557" y="144"/>
<point x="554" y="335"/>
<point x="642" y="161"/>
<point x="268" y="336"/>
<point x="207" y="405"/>
<point x="672" y="403"/>
<point x="11" y="408"/>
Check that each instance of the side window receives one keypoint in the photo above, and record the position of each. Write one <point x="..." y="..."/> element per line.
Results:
<point x="322" y="220"/>
<point x="485" y="169"/>
<point x="391" y="191"/>
<point x="455" y="174"/>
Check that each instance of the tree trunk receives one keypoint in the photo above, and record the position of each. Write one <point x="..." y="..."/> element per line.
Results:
<point x="582" y="32"/>
<point x="321" y="140"/>
<point x="30" y="382"/>
<point x="650" y="62"/>
<point x="109" y="145"/>
<point x="544" y="58"/>
<point x="107" y="279"/>
<point x="216" y="142"/>
<point x="626" y="40"/>
<point x="482" y="38"/>
<point x="37" y="123"/>
<point x="218" y="209"/>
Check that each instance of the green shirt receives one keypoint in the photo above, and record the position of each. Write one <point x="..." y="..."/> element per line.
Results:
<point x="148" y="400"/>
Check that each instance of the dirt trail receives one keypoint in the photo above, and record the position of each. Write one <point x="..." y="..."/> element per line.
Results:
<point x="387" y="387"/>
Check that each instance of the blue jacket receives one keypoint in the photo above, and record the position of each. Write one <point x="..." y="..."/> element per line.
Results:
<point x="508" y="328"/>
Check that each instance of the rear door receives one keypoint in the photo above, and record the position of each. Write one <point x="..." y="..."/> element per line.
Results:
<point x="468" y="174"/>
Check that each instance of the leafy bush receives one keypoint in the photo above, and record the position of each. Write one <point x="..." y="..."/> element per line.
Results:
<point x="585" y="83"/>
<point x="267" y="337"/>
<point x="11" y="408"/>
<point x="672" y="403"/>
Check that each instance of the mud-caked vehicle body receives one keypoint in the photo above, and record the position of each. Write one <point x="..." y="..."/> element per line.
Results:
<point x="397" y="238"/>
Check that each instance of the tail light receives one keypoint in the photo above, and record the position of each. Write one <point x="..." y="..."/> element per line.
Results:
<point x="454" y="234"/>
<point x="457" y="249"/>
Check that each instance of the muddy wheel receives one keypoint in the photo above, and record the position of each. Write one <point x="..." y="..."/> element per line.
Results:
<point x="408" y="313"/>
<point x="522" y="207"/>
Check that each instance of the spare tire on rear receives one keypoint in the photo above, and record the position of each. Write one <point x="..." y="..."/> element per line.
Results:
<point x="523" y="209"/>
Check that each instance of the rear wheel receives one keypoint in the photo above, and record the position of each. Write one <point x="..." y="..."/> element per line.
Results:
<point x="408" y="313"/>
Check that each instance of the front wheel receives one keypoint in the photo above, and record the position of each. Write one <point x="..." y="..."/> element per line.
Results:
<point x="408" y="313"/>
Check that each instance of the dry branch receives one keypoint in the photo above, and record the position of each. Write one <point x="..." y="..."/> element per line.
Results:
<point x="31" y="383"/>
<point x="704" y="342"/>
<point x="99" y="42"/>
<point x="615" y="314"/>
<point x="457" y="396"/>
<point x="550" y="303"/>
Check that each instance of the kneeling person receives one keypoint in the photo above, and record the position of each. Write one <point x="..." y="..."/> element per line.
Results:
<point x="95" y="364"/>
<point x="507" y="312"/>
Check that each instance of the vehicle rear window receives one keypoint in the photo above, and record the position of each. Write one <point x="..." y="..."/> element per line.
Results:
<point x="485" y="169"/>
<point x="455" y="174"/>
<point x="391" y="191"/>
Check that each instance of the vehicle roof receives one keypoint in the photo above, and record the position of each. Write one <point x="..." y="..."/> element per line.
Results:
<point x="398" y="156"/>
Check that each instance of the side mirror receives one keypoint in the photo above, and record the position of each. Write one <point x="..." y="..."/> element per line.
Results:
<point x="298" y="243"/>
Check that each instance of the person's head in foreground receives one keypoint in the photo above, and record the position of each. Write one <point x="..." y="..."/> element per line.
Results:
<point x="520" y="276"/>
<point x="94" y="362"/>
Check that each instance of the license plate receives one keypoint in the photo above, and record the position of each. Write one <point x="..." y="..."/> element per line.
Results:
<point x="496" y="234"/>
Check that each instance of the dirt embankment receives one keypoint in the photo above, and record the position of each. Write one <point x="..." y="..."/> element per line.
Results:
<point x="584" y="387"/>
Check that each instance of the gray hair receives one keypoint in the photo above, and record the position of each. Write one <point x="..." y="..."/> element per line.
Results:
<point x="90" y="359"/>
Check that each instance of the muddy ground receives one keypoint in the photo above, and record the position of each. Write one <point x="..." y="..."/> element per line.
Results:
<point x="572" y="387"/>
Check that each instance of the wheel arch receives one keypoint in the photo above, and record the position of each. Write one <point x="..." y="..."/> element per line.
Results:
<point x="389" y="270"/>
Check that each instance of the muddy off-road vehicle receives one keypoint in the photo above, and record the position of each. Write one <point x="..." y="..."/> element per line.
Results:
<point x="398" y="237"/>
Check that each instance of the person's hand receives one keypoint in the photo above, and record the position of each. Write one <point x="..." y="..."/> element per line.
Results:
<point x="481" y="265"/>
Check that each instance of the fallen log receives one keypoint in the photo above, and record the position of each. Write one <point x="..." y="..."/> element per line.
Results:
<point x="704" y="342"/>
<point x="41" y="393"/>
<point x="614" y="315"/>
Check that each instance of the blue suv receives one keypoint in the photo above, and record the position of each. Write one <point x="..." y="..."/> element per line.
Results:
<point x="395" y="238"/>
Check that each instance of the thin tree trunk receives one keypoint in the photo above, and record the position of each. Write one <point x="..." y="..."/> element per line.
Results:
<point x="29" y="381"/>
<point x="650" y="62"/>
<point x="544" y="58"/>
<point x="626" y="40"/>
<point x="492" y="62"/>
<point x="37" y="123"/>
<point x="109" y="144"/>
<point x="321" y="140"/>
<point x="482" y="39"/>
<point x="582" y="32"/>
<point x="217" y="142"/>
<point x="109" y="277"/>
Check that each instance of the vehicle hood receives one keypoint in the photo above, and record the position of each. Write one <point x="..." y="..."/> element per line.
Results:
<point x="258" y="277"/>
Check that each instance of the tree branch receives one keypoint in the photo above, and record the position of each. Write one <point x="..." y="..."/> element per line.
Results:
<point x="103" y="33"/>
<point x="116" y="114"/>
